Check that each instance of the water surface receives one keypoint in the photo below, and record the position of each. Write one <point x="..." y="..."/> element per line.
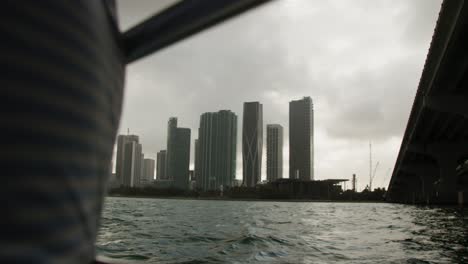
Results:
<point x="195" y="231"/>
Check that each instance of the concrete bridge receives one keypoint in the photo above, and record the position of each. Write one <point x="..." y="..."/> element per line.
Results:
<point x="430" y="166"/>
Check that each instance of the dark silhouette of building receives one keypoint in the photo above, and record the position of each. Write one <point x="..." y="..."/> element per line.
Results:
<point x="216" y="148"/>
<point x="301" y="139"/>
<point x="252" y="143"/>
<point x="178" y="155"/>
<point x="306" y="189"/>
<point x="274" y="150"/>
<point x="161" y="165"/>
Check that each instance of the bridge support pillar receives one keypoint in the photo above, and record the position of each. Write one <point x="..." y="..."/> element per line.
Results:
<point x="447" y="155"/>
<point x="446" y="186"/>
<point x="425" y="174"/>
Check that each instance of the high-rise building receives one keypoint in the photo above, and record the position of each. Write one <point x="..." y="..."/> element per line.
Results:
<point x="216" y="150"/>
<point x="178" y="155"/>
<point x="132" y="164"/>
<point x="138" y="166"/>
<point x="122" y="140"/>
<point x="252" y="143"/>
<point x="197" y="167"/>
<point x="171" y="126"/>
<point x="148" y="172"/>
<point x="161" y="165"/>
<point x="301" y="139"/>
<point x="274" y="150"/>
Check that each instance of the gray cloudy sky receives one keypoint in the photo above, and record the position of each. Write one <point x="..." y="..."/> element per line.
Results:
<point x="359" y="60"/>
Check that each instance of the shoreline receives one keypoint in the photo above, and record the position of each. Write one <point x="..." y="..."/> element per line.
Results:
<point x="242" y="199"/>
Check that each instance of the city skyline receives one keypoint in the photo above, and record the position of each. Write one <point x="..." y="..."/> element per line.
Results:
<point x="214" y="152"/>
<point x="301" y="119"/>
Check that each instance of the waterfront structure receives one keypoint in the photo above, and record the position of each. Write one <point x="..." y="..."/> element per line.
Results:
<point x="161" y="165"/>
<point x="301" y="139"/>
<point x="252" y="143"/>
<point x="122" y="140"/>
<point x="148" y="172"/>
<point x="306" y="189"/>
<point x="178" y="155"/>
<point x="274" y="151"/>
<point x="216" y="150"/>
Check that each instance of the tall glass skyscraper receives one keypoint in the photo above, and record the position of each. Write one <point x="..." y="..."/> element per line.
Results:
<point x="301" y="139"/>
<point x="274" y="150"/>
<point x="215" y="160"/>
<point x="178" y="155"/>
<point x="252" y="143"/>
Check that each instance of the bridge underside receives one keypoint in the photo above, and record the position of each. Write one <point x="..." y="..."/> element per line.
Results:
<point x="431" y="167"/>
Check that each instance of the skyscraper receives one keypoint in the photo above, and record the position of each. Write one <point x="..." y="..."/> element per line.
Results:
<point x="216" y="153"/>
<point x="301" y="139"/>
<point x="132" y="164"/>
<point x="161" y="165"/>
<point x="252" y="143"/>
<point x="178" y="155"/>
<point x="138" y="166"/>
<point x="171" y="126"/>
<point x="122" y="140"/>
<point x="274" y="149"/>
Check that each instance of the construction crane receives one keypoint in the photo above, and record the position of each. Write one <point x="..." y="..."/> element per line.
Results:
<point x="373" y="175"/>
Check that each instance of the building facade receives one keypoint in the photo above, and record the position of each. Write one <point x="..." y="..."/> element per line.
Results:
<point x="301" y="139"/>
<point x="161" y="165"/>
<point x="215" y="161"/>
<point x="252" y="143"/>
<point x="132" y="164"/>
<point x="148" y="172"/>
<point x="122" y="140"/>
<point x="274" y="151"/>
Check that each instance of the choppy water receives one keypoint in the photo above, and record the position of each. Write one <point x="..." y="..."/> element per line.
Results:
<point x="187" y="231"/>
